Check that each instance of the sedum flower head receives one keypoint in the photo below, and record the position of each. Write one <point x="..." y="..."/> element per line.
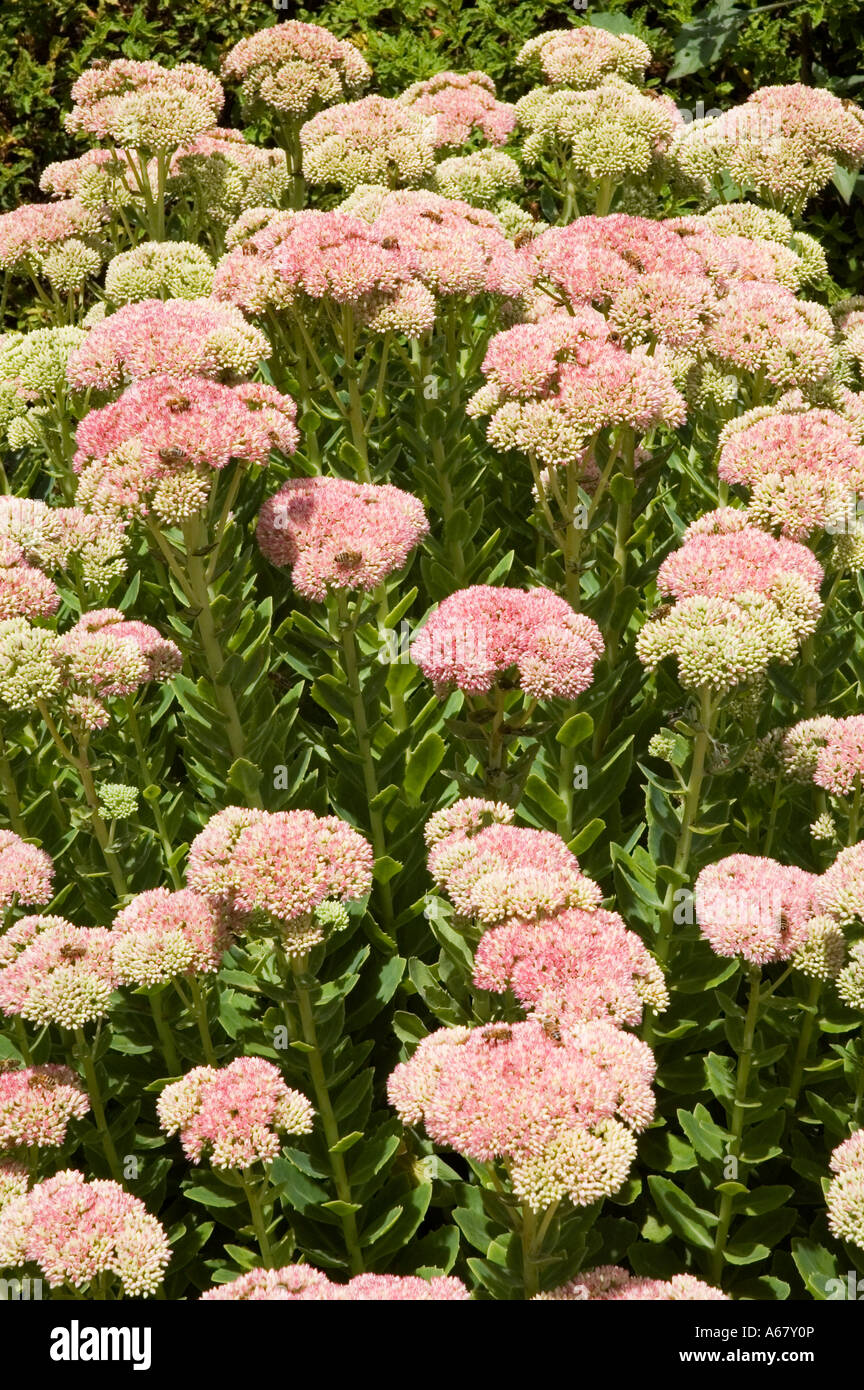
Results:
<point x="178" y="337"/>
<point x="755" y="908"/>
<point x="13" y="1180"/>
<point x="303" y="1284"/>
<point x="159" y="270"/>
<point x="850" y="980"/>
<point x="145" y="106"/>
<point x="584" y="56"/>
<point x="478" y="635"/>
<point x="505" y="873"/>
<point x="34" y="231"/>
<point x="63" y="974"/>
<point x="336" y="534"/>
<point x="37" y="1103"/>
<point x="822" y="955"/>
<point x="840" y="890"/>
<point x="295" y="68"/>
<point x="117" y="800"/>
<point x="281" y="867"/>
<point x="608" y="131"/>
<point x="845" y="1196"/>
<point x="160" y="935"/>
<point x="613" y="1284"/>
<point x="25" y="592"/>
<point x="467" y="816"/>
<point x="481" y="178"/>
<point x="374" y="140"/>
<point x="575" y="967"/>
<point x="561" y="1114"/>
<point x="224" y="174"/>
<point x="233" y="1115"/>
<point x="828" y="751"/>
<point x="76" y="1230"/>
<point x="463" y="105"/>
<point x="26" y="873"/>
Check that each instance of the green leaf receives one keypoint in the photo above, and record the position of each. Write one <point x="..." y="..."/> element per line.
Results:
<point x="817" y="1267"/>
<point x="680" y="1212"/>
<point x="706" y="38"/>
<point x="422" y="762"/>
<point x="575" y="730"/>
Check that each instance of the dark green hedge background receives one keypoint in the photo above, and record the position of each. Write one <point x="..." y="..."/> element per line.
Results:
<point x="714" y="53"/>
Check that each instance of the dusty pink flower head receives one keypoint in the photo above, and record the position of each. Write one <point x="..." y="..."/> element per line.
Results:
<point x="60" y="974"/>
<point x="612" y="1284"/>
<point x="764" y="329"/>
<point x="292" y="869"/>
<point x="455" y="249"/>
<point x="305" y="262"/>
<point x="830" y="751"/>
<point x="467" y="816"/>
<point x="303" y="1284"/>
<point x="296" y="68"/>
<point x="585" y="56"/>
<point x="840" y="890"/>
<point x="143" y="105"/>
<point x="234" y="1114"/>
<point x="224" y="174"/>
<point x="167" y="337"/>
<point x="109" y="655"/>
<point x="801" y="467"/>
<point x="845" y="1196"/>
<point x="134" y="453"/>
<point x="374" y="140"/>
<point x="560" y="1113"/>
<point x="25" y="592"/>
<point x="505" y="873"/>
<point x="162" y="934"/>
<point x="76" y="1230"/>
<point x="37" y="1103"/>
<point x="336" y="534"/>
<point x="651" y="284"/>
<point x="588" y="385"/>
<point x="26" y="873"/>
<point x="755" y="908"/>
<point x="31" y="231"/>
<point x="13" y="1180"/>
<point x="50" y="537"/>
<point x="464" y="105"/>
<point x="725" y="564"/>
<point x="575" y="967"/>
<point x="783" y="143"/>
<point x="479" y="634"/>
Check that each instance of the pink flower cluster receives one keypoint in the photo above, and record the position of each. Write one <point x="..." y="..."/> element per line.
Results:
<point x="829" y="751"/>
<point x="160" y="935"/>
<point x="233" y="1114"/>
<point x="845" y="1196"/>
<point x="479" y="635"/>
<point x="26" y="873"/>
<point x="464" y="105"/>
<point x="585" y="56"/>
<point x="303" y="1284"/>
<point x="335" y="534"/>
<point x="157" y="444"/>
<point x="802" y="468"/>
<point x="724" y="564"/>
<point x="499" y="873"/>
<point x="33" y="229"/>
<point x="54" y="972"/>
<point x="453" y="248"/>
<point x="111" y="655"/>
<point x="755" y="908"/>
<point x="561" y="1114"/>
<point x="763" y="329"/>
<point x="308" y="260"/>
<point x="588" y="384"/>
<point x="174" y="337"/>
<point x="840" y="890"/>
<point x="37" y="1103"/>
<point x="612" y="1284"/>
<point x="289" y="868"/>
<point x="295" y="68"/>
<point x="143" y="105"/>
<point x="374" y="140"/>
<point x="574" y="967"/>
<point x="77" y="1231"/>
<point x="25" y="592"/>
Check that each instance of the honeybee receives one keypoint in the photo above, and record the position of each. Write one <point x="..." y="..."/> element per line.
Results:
<point x="249" y="249"/>
<point x="177" y="404"/>
<point x="550" y="1027"/>
<point x="496" y="1032"/>
<point x="70" y="953"/>
<point x="41" y="1082"/>
<point x="662" y="612"/>
<point x="348" y="557"/>
<point x="173" y="455"/>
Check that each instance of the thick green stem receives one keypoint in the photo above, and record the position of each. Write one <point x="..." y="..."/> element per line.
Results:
<point x="804" y="1039"/>
<point x="199" y="1006"/>
<point x="745" y="1059"/>
<point x="10" y="792"/>
<point x="325" y="1110"/>
<point x="147" y="781"/>
<point x="259" y="1222"/>
<point x="166" y="1041"/>
<point x="85" y="1056"/>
